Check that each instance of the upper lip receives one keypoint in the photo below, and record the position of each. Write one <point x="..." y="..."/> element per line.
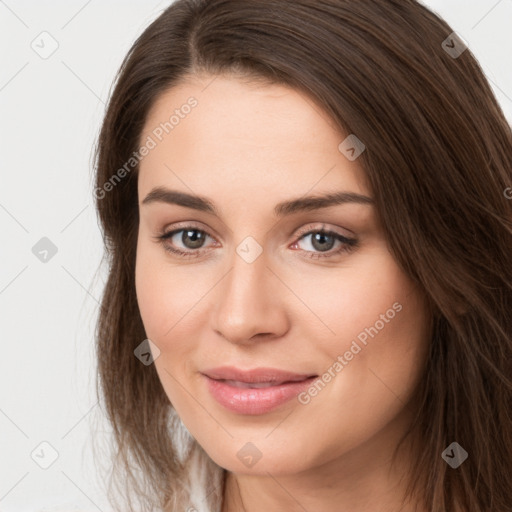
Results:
<point x="255" y="375"/>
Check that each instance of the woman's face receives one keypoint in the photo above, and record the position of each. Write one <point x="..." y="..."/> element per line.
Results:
<point x="261" y="287"/>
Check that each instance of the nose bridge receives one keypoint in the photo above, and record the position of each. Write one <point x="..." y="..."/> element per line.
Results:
<point x="246" y="284"/>
<point x="247" y="302"/>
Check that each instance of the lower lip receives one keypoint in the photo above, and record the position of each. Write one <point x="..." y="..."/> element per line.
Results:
<point x="255" y="400"/>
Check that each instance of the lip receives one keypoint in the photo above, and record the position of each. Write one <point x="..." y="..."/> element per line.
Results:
<point x="255" y="375"/>
<point x="229" y="386"/>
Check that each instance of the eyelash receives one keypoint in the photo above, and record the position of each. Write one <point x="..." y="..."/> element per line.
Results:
<point x="348" y="244"/>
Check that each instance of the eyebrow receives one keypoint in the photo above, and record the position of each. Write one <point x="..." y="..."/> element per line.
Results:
<point x="309" y="203"/>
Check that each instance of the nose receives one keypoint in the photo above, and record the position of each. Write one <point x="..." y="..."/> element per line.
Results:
<point x="250" y="304"/>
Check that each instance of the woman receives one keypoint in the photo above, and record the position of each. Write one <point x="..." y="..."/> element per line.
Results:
<point x="304" y="205"/>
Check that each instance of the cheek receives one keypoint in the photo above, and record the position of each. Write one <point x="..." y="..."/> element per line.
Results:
<point x="376" y="320"/>
<point x="169" y="299"/>
<point x="382" y="357"/>
<point x="369" y="292"/>
<point x="150" y="295"/>
<point x="391" y="340"/>
<point x="156" y="293"/>
<point x="165" y="299"/>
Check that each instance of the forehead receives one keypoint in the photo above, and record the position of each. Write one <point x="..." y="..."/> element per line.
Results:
<point x="244" y="136"/>
<point x="220" y="98"/>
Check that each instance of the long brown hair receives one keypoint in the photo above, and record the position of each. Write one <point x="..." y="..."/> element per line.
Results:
<point x="439" y="162"/>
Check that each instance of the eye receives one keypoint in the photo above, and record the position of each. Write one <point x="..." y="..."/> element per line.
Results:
<point x="193" y="239"/>
<point x="323" y="241"/>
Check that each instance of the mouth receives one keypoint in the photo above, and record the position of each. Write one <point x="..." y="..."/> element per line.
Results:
<point x="256" y="392"/>
<point x="257" y="375"/>
<point x="255" y="385"/>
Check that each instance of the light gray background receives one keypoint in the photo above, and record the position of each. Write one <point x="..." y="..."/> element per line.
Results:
<point x="51" y="111"/>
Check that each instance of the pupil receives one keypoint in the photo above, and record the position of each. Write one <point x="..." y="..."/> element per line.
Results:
<point x="321" y="237"/>
<point x="193" y="235"/>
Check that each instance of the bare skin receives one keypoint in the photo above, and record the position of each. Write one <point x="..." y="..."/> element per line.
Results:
<point x="296" y="307"/>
